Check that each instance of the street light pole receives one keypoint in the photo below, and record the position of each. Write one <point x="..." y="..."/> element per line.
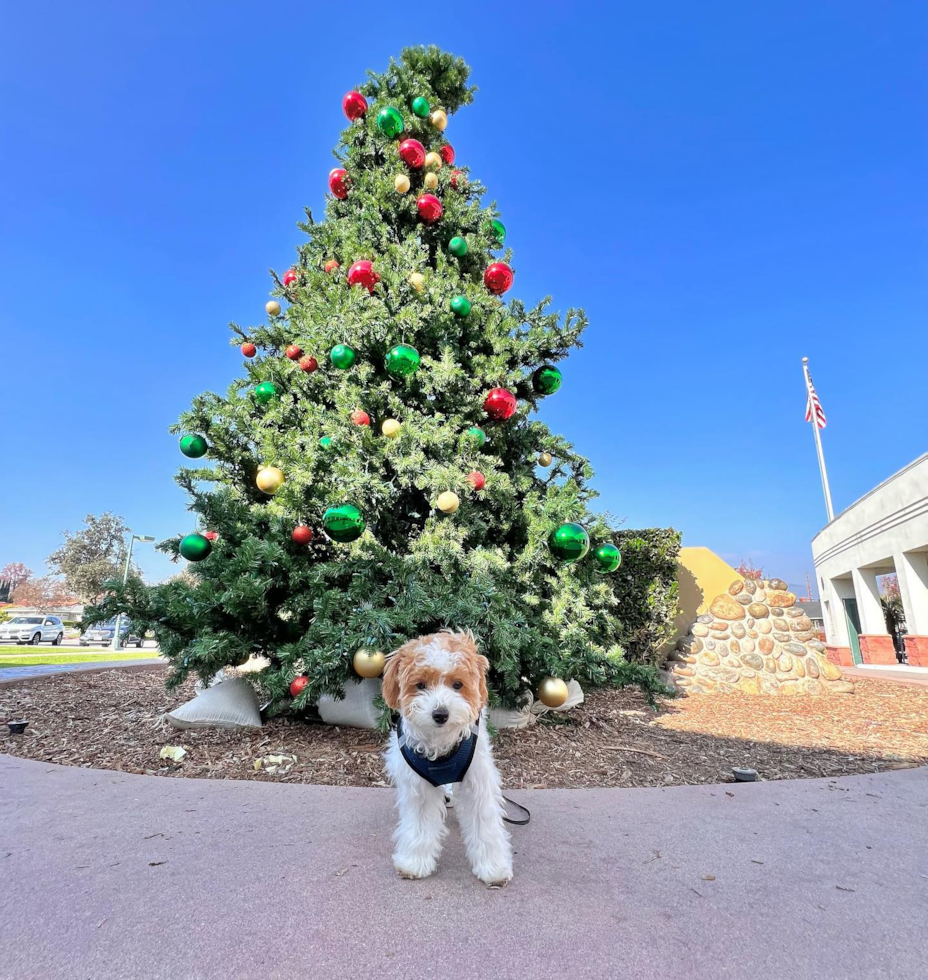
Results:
<point x="117" y="640"/>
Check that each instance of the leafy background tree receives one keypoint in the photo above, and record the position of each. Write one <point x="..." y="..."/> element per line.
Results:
<point x="893" y="611"/>
<point x="92" y="556"/>
<point x="479" y="559"/>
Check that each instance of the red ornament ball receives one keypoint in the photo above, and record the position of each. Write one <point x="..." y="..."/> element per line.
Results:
<point x="330" y="266"/>
<point x="339" y="182"/>
<point x="430" y="209"/>
<point x="360" y="417"/>
<point x="500" y="404"/>
<point x="211" y="535"/>
<point x="362" y="274"/>
<point x="302" y="534"/>
<point x="354" y="105"/>
<point x="476" y="479"/>
<point x="412" y="153"/>
<point x="447" y="153"/>
<point x="308" y="364"/>
<point x="459" y="180"/>
<point x="294" y="352"/>
<point x="498" y="278"/>
<point x="289" y="277"/>
<point x="297" y="685"/>
<point x="249" y="349"/>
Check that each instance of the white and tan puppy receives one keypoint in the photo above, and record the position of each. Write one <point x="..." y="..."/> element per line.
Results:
<point x="438" y="685"/>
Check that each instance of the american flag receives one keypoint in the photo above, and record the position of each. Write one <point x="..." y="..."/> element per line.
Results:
<point x="814" y="407"/>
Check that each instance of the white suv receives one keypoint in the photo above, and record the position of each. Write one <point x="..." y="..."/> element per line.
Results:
<point x="34" y="630"/>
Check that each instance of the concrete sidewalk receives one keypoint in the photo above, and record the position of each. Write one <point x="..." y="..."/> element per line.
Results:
<point x="8" y="674"/>
<point x="901" y="674"/>
<point x="114" y="877"/>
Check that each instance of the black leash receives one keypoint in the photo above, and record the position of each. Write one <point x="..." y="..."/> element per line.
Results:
<point x="508" y="819"/>
<point x="524" y="809"/>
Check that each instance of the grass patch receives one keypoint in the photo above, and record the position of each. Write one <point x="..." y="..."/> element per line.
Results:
<point x="17" y="659"/>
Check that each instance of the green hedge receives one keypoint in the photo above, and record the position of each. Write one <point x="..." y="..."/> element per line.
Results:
<point x="646" y="585"/>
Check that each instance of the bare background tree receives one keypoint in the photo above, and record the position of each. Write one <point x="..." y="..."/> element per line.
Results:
<point x="42" y="594"/>
<point x="11" y="575"/>
<point x="747" y="570"/>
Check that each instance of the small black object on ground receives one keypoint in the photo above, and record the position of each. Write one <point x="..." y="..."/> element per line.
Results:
<point x="743" y="774"/>
<point x="17" y="727"/>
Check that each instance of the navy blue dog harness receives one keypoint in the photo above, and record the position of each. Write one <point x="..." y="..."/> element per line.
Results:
<point x="450" y="768"/>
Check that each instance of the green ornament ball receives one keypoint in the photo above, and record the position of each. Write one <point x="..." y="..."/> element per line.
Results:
<point x="193" y="446"/>
<point x="546" y="380"/>
<point x="325" y="442"/>
<point x="569" y="542"/>
<point x="421" y="107"/>
<point x="460" y="305"/>
<point x="265" y="391"/>
<point x="608" y="558"/>
<point x="458" y="246"/>
<point x="402" y="360"/>
<point x="389" y="121"/>
<point x="498" y="230"/>
<point x="478" y="436"/>
<point x="343" y="356"/>
<point x="343" y="523"/>
<point x="195" y="547"/>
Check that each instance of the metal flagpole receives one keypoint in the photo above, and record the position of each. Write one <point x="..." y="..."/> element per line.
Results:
<point x="818" y="444"/>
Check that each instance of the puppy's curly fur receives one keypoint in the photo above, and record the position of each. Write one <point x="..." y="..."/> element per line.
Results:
<point x="438" y="684"/>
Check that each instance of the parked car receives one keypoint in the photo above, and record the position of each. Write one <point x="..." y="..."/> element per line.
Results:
<point x="33" y="629"/>
<point x="102" y="634"/>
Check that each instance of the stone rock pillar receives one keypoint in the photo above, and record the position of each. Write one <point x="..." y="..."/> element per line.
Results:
<point x="756" y="640"/>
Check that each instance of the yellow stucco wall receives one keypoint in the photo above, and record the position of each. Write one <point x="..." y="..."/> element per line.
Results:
<point x="701" y="576"/>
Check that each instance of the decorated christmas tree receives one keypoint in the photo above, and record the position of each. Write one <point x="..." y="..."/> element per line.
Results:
<point x="376" y="474"/>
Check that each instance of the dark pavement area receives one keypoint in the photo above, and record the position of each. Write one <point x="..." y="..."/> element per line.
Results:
<point x="110" y="876"/>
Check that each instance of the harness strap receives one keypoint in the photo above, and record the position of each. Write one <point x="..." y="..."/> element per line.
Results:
<point x="451" y="768"/>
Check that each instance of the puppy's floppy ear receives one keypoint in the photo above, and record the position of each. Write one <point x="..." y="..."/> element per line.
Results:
<point x="480" y="664"/>
<point x="483" y="665"/>
<point x="391" y="681"/>
<point x="391" y="675"/>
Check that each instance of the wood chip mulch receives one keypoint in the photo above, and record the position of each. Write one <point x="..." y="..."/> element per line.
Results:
<point x="108" y="720"/>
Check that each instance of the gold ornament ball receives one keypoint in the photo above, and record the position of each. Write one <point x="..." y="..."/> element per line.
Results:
<point x="545" y="459"/>
<point x="272" y="307"/>
<point x="439" y="119"/>
<point x="401" y="183"/>
<point x="431" y="182"/>
<point x="390" y="428"/>
<point x="270" y="479"/>
<point x="369" y="663"/>
<point x="417" y="281"/>
<point x="552" y="691"/>
<point x="448" y="502"/>
<point x="433" y="160"/>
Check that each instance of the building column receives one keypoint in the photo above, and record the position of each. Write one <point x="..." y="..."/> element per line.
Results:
<point x="838" y="643"/>
<point x="912" y="572"/>
<point x="835" y="620"/>
<point x="876" y="645"/>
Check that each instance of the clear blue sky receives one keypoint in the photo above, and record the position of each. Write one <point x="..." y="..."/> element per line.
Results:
<point x="724" y="186"/>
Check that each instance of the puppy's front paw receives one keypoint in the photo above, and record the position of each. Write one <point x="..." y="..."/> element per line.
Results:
<point x="410" y="866"/>
<point x="494" y="876"/>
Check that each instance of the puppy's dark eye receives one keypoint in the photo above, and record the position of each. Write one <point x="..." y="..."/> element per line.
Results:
<point x="457" y="685"/>
<point x="421" y="686"/>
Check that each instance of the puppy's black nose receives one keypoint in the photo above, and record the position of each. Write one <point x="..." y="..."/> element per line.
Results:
<point x="440" y="716"/>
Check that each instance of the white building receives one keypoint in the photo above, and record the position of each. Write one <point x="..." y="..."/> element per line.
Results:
<point x="885" y="531"/>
